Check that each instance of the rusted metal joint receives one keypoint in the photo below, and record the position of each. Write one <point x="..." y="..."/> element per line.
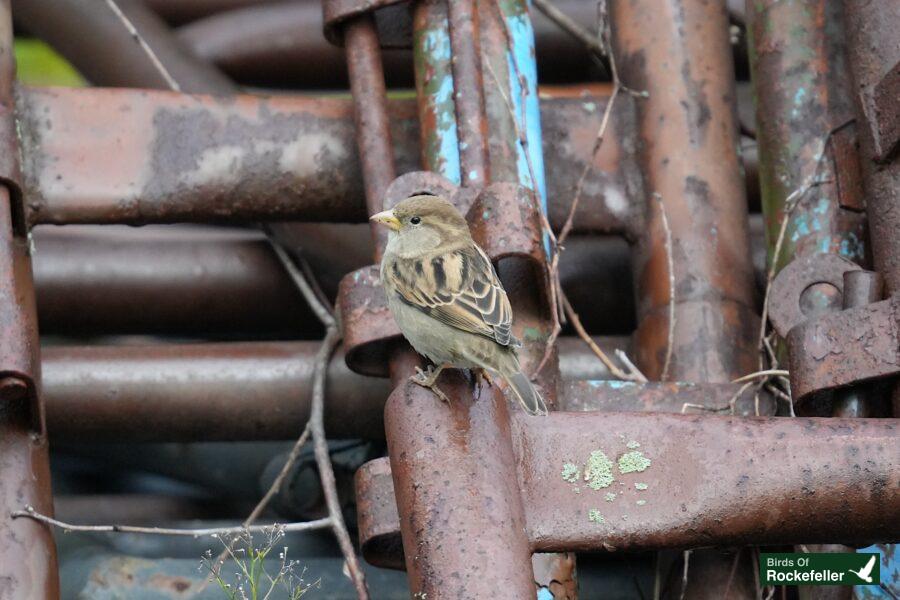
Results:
<point x="839" y="348"/>
<point x="393" y="20"/>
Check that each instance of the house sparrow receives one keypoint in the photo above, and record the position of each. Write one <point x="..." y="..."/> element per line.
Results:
<point x="446" y="297"/>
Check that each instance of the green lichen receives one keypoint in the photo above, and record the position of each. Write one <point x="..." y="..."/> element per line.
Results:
<point x="570" y="472"/>
<point x="595" y="516"/>
<point x="610" y="496"/>
<point x="633" y="444"/>
<point x="598" y="472"/>
<point x="641" y="502"/>
<point x="641" y="486"/>
<point x="633" y="461"/>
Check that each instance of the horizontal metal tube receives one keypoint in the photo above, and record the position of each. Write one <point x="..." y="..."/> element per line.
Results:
<point x="220" y="391"/>
<point x="169" y="158"/>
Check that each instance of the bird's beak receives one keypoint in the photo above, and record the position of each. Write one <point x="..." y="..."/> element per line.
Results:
<point x="387" y="218"/>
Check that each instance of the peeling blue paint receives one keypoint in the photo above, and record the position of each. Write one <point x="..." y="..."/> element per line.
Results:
<point x="521" y="60"/>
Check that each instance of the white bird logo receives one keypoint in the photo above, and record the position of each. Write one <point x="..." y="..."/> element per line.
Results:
<point x="866" y="572"/>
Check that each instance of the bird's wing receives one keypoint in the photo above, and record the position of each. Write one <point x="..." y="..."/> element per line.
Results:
<point x="459" y="288"/>
<point x="868" y="568"/>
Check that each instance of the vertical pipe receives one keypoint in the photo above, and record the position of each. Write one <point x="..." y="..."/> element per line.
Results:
<point x="434" y="90"/>
<point x="678" y="51"/>
<point x="469" y="91"/>
<point x="802" y="90"/>
<point x="28" y="566"/>
<point x="461" y="514"/>
<point x="373" y="134"/>
<point x="873" y="41"/>
<point x="453" y="519"/>
<point x="874" y="49"/>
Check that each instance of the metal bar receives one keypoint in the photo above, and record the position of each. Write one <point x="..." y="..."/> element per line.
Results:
<point x="874" y="51"/>
<point x="200" y="158"/>
<point x="803" y="87"/>
<point x="469" y="91"/>
<point x="461" y="514"/>
<point x="27" y="552"/>
<point x="260" y="391"/>
<point x="576" y="498"/>
<point x="373" y="136"/>
<point x="678" y="52"/>
<point x="202" y="392"/>
<point x="690" y="138"/>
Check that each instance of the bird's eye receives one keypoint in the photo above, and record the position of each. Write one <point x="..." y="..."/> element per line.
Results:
<point x="415" y="220"/>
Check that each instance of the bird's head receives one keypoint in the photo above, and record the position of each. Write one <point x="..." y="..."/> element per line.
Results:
<point x="424" y="222"/>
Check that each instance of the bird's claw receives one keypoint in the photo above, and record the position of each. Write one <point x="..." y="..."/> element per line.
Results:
<point x="428" y="379"/>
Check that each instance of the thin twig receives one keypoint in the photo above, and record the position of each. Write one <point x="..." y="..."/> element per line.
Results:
<point x="670" y="341"/>
<point x="30" y="513"/>
<point x="157" y="64"/>
<point x="317" y="417"/>
<point x="570" y="26"/>
<point x="761" y="374"/>
<point x="634" y="375"/>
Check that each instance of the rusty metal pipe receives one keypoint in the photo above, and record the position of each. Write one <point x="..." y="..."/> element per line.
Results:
<point x="468" y="89"/>
<point x="771" y="488"/>
<point x="260" y="390"/>
<point x="690" y="138"/>
<point x="96" y="42"/>
<point x="678" y="52"/>
<point x="204" y="159"/>
<point x="462" y="520"/>
<point x="874" y="50"/>
<point x="202" y="392"/>
<point x="373" y="135"/>
<point x="28" y="566"/>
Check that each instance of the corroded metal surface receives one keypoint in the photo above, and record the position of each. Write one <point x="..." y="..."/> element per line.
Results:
<point x="846" y="347"/>
<point x="373" y="136"/>
<point x="27" y="552"/>
<point x="689" y="136"/>
<point x="198" y="159"/>
<point x="379" y="525"/>
<point x="196" y="392"/>
<point x="454" y="476"/>
<point x="811" y="274"/>
<point x="575" y="499"/>
<point x="803" y="91"/>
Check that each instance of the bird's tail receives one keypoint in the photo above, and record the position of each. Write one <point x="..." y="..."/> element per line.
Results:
<point x="527" y="394"/>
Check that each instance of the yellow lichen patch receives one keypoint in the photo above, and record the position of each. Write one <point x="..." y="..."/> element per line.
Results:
<point x="610" y="496"/>
<point x="641" y="486"/>
<point x="595" y="516"/>
<point x="632" y="445"/>
<point x="598" y="471"/>
<point x="570" y="472"/>
<point x="633" y="461"/>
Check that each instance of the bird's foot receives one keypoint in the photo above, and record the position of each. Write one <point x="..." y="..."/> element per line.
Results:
<point x="484" y="375"/>
<point x="428" y="379"/>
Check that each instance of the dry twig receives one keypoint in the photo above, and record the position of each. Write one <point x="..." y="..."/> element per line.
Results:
<point x="157" y="64"/>
<point x="30" y="513"/>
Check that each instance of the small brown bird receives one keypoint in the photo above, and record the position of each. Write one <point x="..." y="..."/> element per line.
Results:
<point x="446" y="297"/>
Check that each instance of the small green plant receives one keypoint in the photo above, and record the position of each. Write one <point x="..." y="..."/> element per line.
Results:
<point x="252" y="580"/>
